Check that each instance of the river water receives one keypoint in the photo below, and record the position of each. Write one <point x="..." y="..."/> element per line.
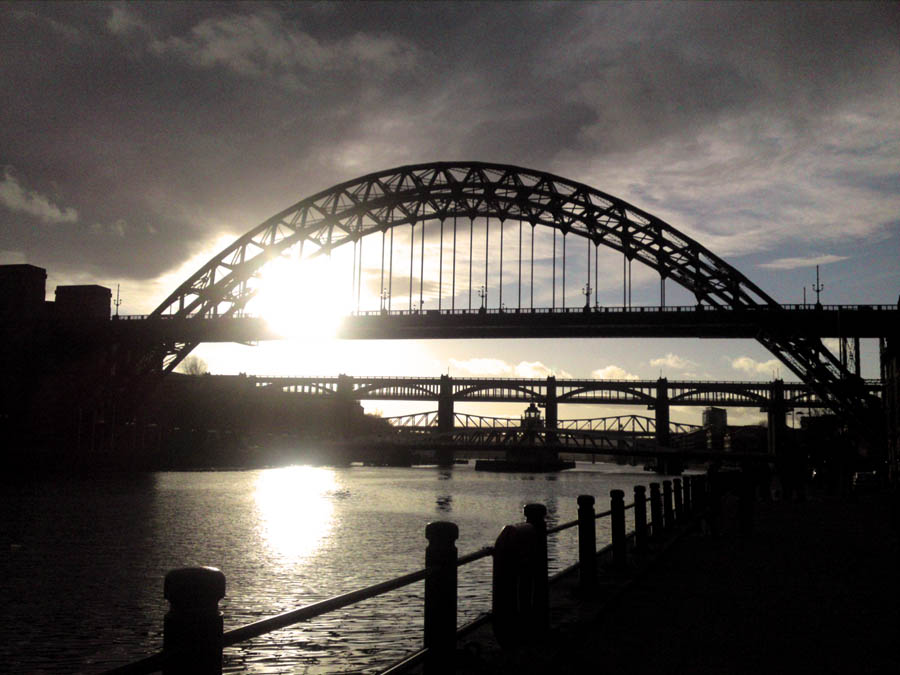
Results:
<point x="83" y="560"/>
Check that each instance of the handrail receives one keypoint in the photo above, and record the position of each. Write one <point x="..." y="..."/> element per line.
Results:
<point x="286" y="619"/>
<point x="156" y="661"/>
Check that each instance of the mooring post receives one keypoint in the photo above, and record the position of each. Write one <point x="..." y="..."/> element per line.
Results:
<point x="656" y="522"/>
<point x="440" y="597"/>
<point x="587" y="542"/>
<point x="535" y="515"/>
<point x="617" y="506"/>
<point x="668" y="519"/>
<point x="192" y="628"/>
<point x="640" y="519"/>
<point x="679" y="504"/>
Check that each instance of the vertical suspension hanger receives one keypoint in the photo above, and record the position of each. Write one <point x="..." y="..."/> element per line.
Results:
<point x="553" y="275"/>
<point x="500" y="301"/>
<point x="487" y="235"/>
<point x="453" y="283"/>
<point x="412" y="248"/>
<point x="519" y="305"/>
<point x="441" y="265"/>
<point x="531" y="302"/>
<point x="391" y="271"/>
<point x="471" y="243"/>
<point x="359" y="274"/>
<point x="422" y="269"/>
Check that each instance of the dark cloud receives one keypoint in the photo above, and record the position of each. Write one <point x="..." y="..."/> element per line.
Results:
<point x="163" y="124"/>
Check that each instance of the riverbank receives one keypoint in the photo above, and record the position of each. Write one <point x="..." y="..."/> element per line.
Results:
<point x="814" y="588"/>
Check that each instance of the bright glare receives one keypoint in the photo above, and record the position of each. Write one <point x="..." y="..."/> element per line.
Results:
<point x="295" y="508"/>
<point x="301" y="298"/>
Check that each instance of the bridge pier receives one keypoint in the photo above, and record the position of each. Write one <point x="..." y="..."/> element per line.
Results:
<point x="445" y="404"/>
<point x="776" y="419"/>
<point x="551" y="407"/>
<point x="445" y="418"/>
<point x="662" y="412"/>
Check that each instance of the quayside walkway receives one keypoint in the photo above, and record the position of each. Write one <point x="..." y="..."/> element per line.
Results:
<point x="815" y="588"/>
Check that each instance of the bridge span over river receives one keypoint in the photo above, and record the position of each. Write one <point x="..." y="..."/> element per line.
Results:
<point x="413" y="244"/>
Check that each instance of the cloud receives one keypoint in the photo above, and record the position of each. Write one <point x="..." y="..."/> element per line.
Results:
<point x="122" y="21"/>
<point x="671" y="360"/>
<point x="264" y="45"/>
<point x="485" y="367"/>
<point x="16" y="198"/>
<point x="770" y="368"/>
<point x="794" y="263"/>
<point x="613" y="373"/>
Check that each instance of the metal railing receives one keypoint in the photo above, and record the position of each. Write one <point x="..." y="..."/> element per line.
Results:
<point x="194" y="637"/>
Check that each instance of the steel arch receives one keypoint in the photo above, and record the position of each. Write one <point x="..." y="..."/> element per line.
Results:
<point x="410" y="194"/>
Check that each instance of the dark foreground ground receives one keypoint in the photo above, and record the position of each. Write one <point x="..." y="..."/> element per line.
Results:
<point x="814" y="589"/>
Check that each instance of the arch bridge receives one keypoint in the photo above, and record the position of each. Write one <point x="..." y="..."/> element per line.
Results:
<point x="439" y="213"/>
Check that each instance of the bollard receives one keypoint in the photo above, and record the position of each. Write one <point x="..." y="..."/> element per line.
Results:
<point x="679" y="504"/>
<point x="617" y="507"/>
<point x="587" y="543"/>
<point x="513" y="592"/>
<point x="656" y="518"/>
<point x="440" y="596"/>
<point x="668" y="518"/>
<point x="640" y="519"/>
<point x="192" y="628"/>
<point x="686" y="487"/>
<point x="535" y="515"/>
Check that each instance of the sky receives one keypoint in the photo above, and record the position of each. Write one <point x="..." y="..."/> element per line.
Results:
<point x="138" y="139"/>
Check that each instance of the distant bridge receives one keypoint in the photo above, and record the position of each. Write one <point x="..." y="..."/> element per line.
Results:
<point x="775" y="398"/>
<point x="622" y="425"/>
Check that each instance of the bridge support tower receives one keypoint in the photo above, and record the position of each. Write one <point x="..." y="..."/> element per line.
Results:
<point x="445" y="418"/>
<point x="551" y="407"/>
<point x="776" y="419"/>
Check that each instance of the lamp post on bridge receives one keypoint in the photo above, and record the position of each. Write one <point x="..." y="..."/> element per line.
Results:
<point x="587" y="296"/>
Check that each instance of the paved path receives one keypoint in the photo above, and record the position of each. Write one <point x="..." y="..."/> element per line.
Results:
<point x="814" y="589"/>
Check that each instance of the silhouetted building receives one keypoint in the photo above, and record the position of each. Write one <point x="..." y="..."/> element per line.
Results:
<point x="22" y="291"/>
<point x="82" y="302"/>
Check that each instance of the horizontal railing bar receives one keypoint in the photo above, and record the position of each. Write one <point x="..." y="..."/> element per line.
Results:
<point x="602" y="514"/>
<point x="560" y="528"/>
<point x="475" y="555"/>
<point x="286" y="619"/>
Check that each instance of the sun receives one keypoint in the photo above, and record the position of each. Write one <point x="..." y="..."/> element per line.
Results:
<point x="302" y="298"/>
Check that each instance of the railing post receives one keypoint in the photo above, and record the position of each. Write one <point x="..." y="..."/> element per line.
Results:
<point x="193" y="625"/>
<point x="535" y="515"/>
<point x="679" y="504"/>
<point x="617" y="506"/>
<point x="640" y="518"/>
<point x="587" y="542"/>
<point x="440" y="596"/>
<point x="667" y="505"/>
<point x="656" y="516"/>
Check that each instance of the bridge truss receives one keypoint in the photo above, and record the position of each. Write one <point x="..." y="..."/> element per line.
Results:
<point x="444" y="192"/>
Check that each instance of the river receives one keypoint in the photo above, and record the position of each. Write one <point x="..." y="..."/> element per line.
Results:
<point x="83" y="561"/>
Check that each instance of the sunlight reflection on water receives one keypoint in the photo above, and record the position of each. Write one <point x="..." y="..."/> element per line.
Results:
<point x="295" y="509"/>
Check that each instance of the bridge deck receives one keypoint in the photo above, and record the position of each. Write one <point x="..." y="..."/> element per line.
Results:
<point x="813" y="590"/>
